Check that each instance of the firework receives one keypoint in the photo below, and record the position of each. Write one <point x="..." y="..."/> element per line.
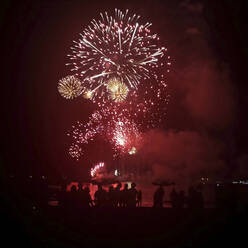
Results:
<point x="117" y="47"/>
<point x="70" y="87"/>
<point x="96" y="168"/>
<point x="121" y="66"/>
<point x="132" y="151"/>
<point x="124" y="134"/>
<point x="110" y="123"/>
<point x="118" y="91"/>
<point x="75" y="151"/>
<point x="88" y="94"/>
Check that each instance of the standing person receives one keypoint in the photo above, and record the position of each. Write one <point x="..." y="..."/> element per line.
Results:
<point x="80" y="187"/>
<point x="132" y="196"/>
<point x="82" y="202"/>
<point x="192" y="198"/>
<point x="181" y="199"/>
<point x="158" y="197"/>
<point x="117" y="195"/>
<point x="63" y="194"/>
<point x="88" y="200"/>
<point x="72" y="200"/>
<point x="174" y="198"/>
<point x="100" y="197"/>
<point x="111" y="195"/>
<point x="139" y="198"/>
<point x="124" y="196"/>
<point x="200" y="200"/>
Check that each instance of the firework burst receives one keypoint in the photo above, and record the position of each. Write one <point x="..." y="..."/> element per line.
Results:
<point x="75" y="151"/>
<point x="96" y="168"/>
<point x="117" y="47"/>
<point x="132" y="151"/>
<point x="88" y="94"/>
<point x="121" y="66"/>
<point x="110" y="123"/>
<point x="70" y="87"/>
<point x="118" y="91"/>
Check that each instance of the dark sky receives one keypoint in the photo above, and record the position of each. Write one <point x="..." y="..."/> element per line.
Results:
<point x="208" y="106"/>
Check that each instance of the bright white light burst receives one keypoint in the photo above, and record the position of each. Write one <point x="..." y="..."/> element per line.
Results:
<point x="96" y="168"/>
<point x="116" y="46"/>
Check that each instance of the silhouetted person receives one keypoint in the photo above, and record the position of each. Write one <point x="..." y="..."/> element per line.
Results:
<point x="124" y="196"/>
<point x="174" y="198"/>
<point x="87" y="198"/>
<point x="81" y="202"/>
<point x="73" y="189"/>
<point x="117" y="195"/>
<point x="190" y="198"/>
<point x="72" y="197"/>
<point x="80" y="187"/>
<point x="158" y="197"/>
<point x="200" y="201"/>
<point x="63" y="194"/>
<point x="221" y="196"/>
<point x="181" y="199"/>
<point x="132" y="196"/>
<point x="110" y="196"/>
<point x="100" y="197"/>
<point x="139" y="198"/>
<point x="194" y="198"/>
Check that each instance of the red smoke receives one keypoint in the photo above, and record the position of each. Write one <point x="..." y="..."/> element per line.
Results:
<point x="209" y="94"/>
<point x="182" y="156"/>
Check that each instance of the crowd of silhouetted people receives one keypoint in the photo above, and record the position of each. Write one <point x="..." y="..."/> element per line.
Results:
<point x="123" y="196"/>
<point x="113" y="197"/>
<point x="178" y="199"/>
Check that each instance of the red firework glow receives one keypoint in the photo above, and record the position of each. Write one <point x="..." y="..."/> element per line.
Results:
<point x="125" y="134"/>
<point x="110" y="123"/>
<point x="121" y="65"/>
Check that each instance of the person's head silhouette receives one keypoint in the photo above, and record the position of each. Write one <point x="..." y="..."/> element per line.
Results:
<point x="119" y="185"/>
<point x="80" y="186"/>
<point x="133" y="185"/>
<point x="73" y="188"/>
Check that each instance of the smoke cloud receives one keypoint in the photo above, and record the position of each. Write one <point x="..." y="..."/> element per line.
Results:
<point x="182" y="156"/>
<point x="209" y="94"/>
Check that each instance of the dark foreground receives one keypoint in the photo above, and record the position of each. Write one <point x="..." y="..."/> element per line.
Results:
<point x="29" y="226"/>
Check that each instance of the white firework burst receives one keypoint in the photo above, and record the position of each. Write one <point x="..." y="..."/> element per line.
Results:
<point x="116" y="46"/>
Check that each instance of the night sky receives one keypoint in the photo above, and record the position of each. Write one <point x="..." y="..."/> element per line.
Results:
<point x="205" y="131"/>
